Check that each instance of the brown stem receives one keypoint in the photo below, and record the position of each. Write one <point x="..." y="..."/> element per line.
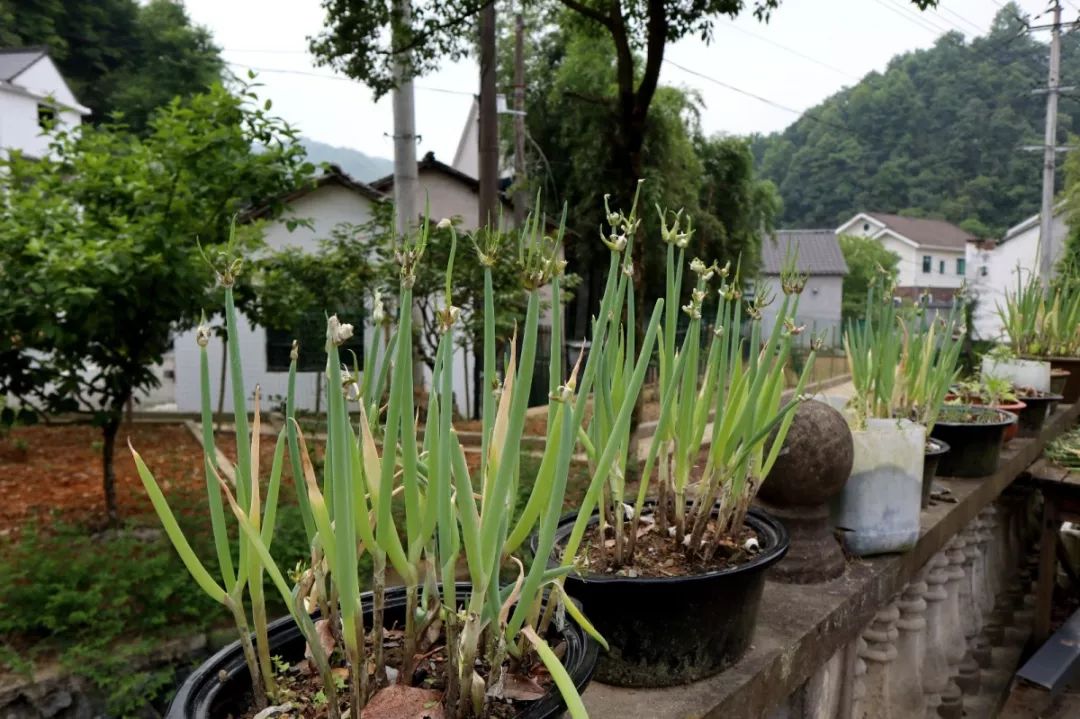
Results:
<point x="262" y="645"/>
<point x="108" y="450"/>
<point x="662" y="499"/>
<point x="453" y="674"/>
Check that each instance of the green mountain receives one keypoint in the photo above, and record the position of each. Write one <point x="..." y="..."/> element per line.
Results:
<point x="939" y="133"/>
<point x="355" y="163"/>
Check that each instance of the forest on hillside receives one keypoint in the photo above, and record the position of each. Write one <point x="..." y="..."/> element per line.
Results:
<point x="939" y="133"/>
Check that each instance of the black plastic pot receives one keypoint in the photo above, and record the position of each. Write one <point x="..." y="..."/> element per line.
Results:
<point x="974" y="447"/>
<point x="1071" y="392"/>
<point x="204" y="696"/>
<point x="1037" y="409"/>
<point x="665" y="631"/>
<point x="935" y="448"/>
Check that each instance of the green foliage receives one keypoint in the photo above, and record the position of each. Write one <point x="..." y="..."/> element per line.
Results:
<point x="101" y="603"/>
<point x="869" y="263"/>
<point x="951" y="151"/>
<point x="100" y="260"/>
<point x="118" y="56"/>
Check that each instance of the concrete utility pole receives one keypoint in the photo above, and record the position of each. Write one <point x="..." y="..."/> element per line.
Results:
<point x="1053" y="87"/>
<point x="406" y="182"/>
<point x="521" y="198"/>
<point x="489" y="122"/>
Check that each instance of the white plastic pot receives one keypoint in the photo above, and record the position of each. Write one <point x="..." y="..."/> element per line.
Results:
<point x="1022" y="373"/>
<point x="878" y="510"/>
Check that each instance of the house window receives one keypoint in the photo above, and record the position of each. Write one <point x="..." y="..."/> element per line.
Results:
<point x="984" y="271"/>
<point x="312" y="338"/>
<point x="926" y="263"/>
<point x="46" y="117"/>
<point x="941" y="267"/>
<point x="961" y="265"/>
<point x="866" y="227"/>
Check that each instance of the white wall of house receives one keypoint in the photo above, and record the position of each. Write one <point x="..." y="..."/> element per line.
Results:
<point x="327" y="207"/>
<point x="819" y="308"/>
<point x="993" y="272"/>
<point x="944" y="271"/>
<point x="19" y="101"/>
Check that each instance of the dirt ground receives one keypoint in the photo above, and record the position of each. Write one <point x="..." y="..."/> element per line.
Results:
<point x="61" y="477"/>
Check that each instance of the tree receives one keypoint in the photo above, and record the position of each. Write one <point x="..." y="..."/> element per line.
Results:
<point x="100" y="257"/>
<point x="952" y="151"/>
<point x="118" y="55"/>
<point x="868" y="263"/>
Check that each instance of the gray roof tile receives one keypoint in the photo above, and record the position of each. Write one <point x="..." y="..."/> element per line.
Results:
<point x="14" y="60"/>
<point x="818" y="252"/>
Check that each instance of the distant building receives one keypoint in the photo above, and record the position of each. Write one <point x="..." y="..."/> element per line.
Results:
<point x="817" y="255"/>
<point x="33" y="97"/>
<point x="933" y="253"/>
<point x="333" y="199"/>
<point x="993" y="266"/>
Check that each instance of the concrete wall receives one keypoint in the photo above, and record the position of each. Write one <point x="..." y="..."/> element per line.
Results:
<point x="992" y="272"/>
<point x="819" y="308"/>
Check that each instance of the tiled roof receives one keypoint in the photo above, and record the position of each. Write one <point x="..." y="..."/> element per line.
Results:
<point x="818" y="252"/>
<point x="932" y="233"/>
<point x="16" y="59"/>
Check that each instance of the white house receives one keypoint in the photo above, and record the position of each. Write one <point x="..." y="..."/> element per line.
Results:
<point x="933" y="253"/>
<point x="993" y="268"/>
<point x="33" y="96"/>
<point x="334" y="198"/>
<point x="818" y="256"/>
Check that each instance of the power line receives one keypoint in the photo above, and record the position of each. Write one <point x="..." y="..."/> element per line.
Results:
<point x="793" y="51"/>
<point x="759" y="98"/>
<point x="961" y="18"/>
<point x="339" y="78"/>
<point x="918" y="20"/>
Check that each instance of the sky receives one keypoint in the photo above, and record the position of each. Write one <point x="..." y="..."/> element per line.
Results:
<point x="809" y="50"/>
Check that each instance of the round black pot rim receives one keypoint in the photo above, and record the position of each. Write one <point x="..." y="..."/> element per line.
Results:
<point x="757" y="518"/>
<point x="1007" y="417"/>
<point x="939" y="448"/>
<point x="1045" y="398"/>
<point x="197" y="692"/>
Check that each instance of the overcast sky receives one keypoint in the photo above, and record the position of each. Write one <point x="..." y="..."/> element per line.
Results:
<point x="827" y="44"/>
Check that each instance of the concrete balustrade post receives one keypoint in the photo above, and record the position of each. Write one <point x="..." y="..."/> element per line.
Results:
<point x="935" y="665"/>
<point x="907" y="685"/>
<point x="879" y="653"/>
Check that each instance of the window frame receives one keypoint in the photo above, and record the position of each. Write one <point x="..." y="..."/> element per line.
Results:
<point x="927" y="264"/>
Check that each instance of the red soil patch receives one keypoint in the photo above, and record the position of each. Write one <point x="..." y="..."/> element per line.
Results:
<point x="62" y="476"/>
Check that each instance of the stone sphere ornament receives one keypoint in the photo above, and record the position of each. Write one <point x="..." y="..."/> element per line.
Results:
<point x="811" y="469"/>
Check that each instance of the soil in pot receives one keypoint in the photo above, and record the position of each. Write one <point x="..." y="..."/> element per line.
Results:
<point x="670" y="629"/>
<point x="206" y="695"/>
<point x="1037" y="407"/>
<point x="935" y="448"/>
<point x="975" y="435"/>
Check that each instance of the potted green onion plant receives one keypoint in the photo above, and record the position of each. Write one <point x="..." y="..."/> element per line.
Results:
<point x="928" y="367"/>
<point x="878" y="509"/>
<point x="409" y="499"/>
<point x="1043" y="324"/>
<point x="686" y="539"/>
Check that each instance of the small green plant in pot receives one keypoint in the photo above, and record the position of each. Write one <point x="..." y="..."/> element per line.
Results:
<point x="1021" y="315"/>
<point x="409" y="500"/>
<point x="1043" y="325"/>
<point x="685" y="542"/>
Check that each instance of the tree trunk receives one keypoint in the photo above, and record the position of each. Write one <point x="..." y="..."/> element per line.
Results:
<point x="108" y="447"/>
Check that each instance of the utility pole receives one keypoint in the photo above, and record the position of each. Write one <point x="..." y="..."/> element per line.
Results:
<point x="520" y="193"/>
<point x="489" y="122"/>
<point x="406" y="178"/>
<point x="406" y="181"/>
<point x="1053" y="87"/>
